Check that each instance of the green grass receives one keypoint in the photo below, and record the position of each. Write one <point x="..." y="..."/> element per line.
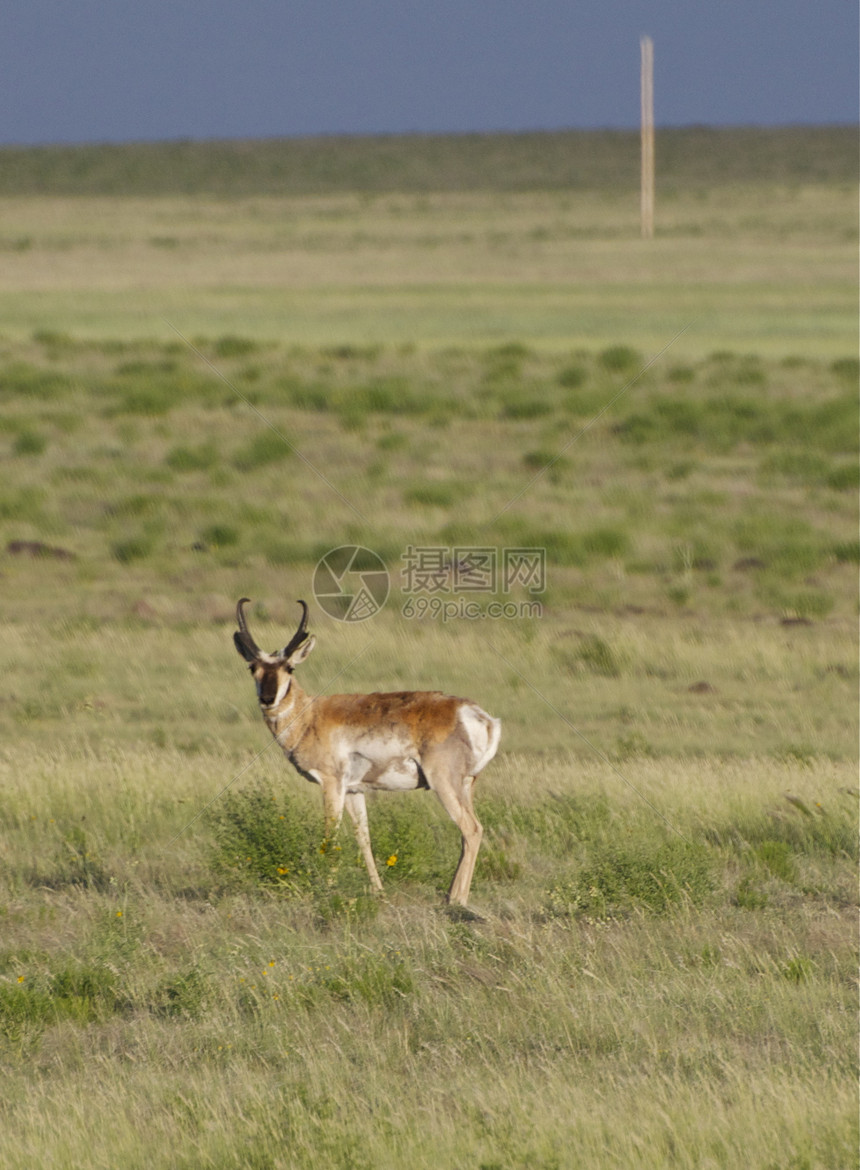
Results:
<point x="725" y="496"/>
<point x="350" y="272"/>
<point x="239" y="1009"/>
<point x="775" y="320"/>
<point x="667" y="880"/>
<point x="663" y="970"/>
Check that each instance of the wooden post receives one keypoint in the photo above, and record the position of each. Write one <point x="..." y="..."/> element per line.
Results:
<point x="647" y="203"/>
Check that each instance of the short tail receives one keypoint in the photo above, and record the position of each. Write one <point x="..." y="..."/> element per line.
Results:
<point x="486" y="740"/>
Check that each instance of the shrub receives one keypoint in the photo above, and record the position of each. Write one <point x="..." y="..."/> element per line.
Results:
<point x="353" y="353"/>
<point x="847" y="368"/>
<point x="788" y="545"/>
<point x="183" y="996"/>
<point x="29" y="443"/>
<point x="199" y="458"/>
<point x="265" y="448"/>
<point x="267" y="839"/>
<point x="145" y="399"/>
<point x="510" y="351"/>
<point x="572" y="377"/>
<point x="605" y="542"/>
<point x="844" y="479"/>
<point x="538" y="460"/>
<point x="375" y="980"/>
<point x="562" y="547"/>
<point x="847" y="552"/>
<point x="749" y="895"/>
<point x="829" y="426"/>
<point x="219" y="535"/>
<point x="778" y="858"/>
<point x="53" y="339"/>
<point x="25" y="381"/>
<point x="620" y="359"/>
<point x="804" y="603"/>
<point x="749" y="375"/>
<point x="141" y="504"/>
<point x="516" y="406"/>
<point x="145" y="369"/>
<point x="134" y="548"/>
<point x="570" y="548"/>
<point x="620" y="876"/>
<point x="722" y="421"/>
<point x="438" y="495"/>
<point x="153" y="389"/>
<point x="22" y="504"/>
<point x="276" y="841"/>
<point x="74" y="992"/>
<point x="554" y="464"/>
<point x="385" y="396"/>
<point x="230" y="346"/>
<point x="681" y="374"/>
<point x="804" y="466"/>
<point x="305" y="395"/>
<point x="598" y="657"/>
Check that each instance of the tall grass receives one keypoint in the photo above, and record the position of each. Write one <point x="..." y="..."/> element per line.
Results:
<point x="660" y="968"/>
<point x="268" y="1019"/>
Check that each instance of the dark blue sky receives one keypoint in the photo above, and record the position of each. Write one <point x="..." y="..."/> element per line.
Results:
<point x="116" y="70"/>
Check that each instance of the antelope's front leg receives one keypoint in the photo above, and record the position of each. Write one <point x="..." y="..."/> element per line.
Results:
<point x="357" y="809"/>
<point x="334" y="795"/>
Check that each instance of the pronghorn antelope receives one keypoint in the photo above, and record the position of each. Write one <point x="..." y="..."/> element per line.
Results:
<point x="350" y="744"/>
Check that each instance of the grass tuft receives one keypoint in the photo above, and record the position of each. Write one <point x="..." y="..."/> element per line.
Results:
<point x="261" y="451"/>
<point x="617" y="878"/>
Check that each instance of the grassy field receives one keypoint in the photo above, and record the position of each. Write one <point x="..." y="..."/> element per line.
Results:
<point x="554" y="270"/>
<point x="200" y="397"/>
<point x="438" y="242"/>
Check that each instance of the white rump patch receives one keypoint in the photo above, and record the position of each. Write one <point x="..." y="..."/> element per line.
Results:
<point x="483" y="733"/>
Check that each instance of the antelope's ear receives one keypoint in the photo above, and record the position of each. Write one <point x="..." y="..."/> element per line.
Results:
<point x="241" y="644"/>
<point x="301" y="652"/>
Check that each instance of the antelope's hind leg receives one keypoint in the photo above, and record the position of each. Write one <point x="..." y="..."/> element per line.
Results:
<point x="456" y="798"/>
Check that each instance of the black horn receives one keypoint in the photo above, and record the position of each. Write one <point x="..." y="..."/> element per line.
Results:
<point x="299" y="636"/>
<point x="243" y="638"/>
